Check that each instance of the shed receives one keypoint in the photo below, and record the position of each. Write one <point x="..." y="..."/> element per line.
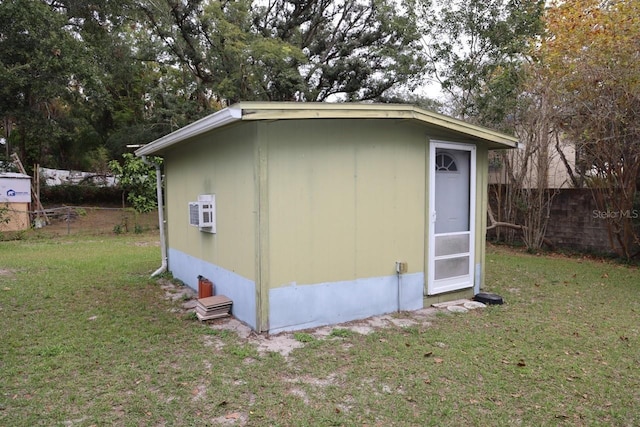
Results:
<point x="15" y="197"/>
<point x="308" y="214"/>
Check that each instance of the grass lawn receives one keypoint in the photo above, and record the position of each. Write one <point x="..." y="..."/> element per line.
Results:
<point x="86" y="338"/>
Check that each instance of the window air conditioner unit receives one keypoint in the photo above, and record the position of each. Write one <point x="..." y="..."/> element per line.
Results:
<point x="202" y="214"/>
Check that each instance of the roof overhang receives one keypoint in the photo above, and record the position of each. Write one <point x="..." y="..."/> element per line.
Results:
<point x="213" y="121"/>
<point x="14" y="175"/>
<point x="252" y="111"/>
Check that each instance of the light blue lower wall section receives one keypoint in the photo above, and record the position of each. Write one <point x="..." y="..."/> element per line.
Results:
<point x="306" y="306"/>
<point x="241" y="290"/>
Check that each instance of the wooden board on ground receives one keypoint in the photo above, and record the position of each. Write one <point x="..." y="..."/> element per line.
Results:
<point x="213" y="307"/>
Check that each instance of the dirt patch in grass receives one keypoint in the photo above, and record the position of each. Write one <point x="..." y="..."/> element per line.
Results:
<point x="286" y="342"/>
<point x="82" y="220"/>
<point x="6" y="272"/>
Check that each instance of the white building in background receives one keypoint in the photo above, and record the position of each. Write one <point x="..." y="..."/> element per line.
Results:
<point x="557" y="174"/>
<point x="54" y="177"/>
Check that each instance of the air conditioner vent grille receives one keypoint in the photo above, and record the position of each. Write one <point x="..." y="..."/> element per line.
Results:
<point x="194" y="214"/>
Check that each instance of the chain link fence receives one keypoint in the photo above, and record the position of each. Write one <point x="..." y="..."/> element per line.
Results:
<point x="84" y="220"/>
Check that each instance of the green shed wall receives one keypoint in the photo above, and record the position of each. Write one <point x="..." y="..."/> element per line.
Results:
<point x="220" y="163"/>
<point x="346" y="199"/>
<point x="309" y="212"/>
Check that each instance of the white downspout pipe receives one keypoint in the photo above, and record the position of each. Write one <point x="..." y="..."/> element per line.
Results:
<point x="163" y="241"/>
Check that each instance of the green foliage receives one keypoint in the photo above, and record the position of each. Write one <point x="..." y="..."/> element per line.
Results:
<point x="287" y="50"/>
<point x="81" y="80"/>
<point x="304" y="337"/>
<point x="4" y="213"/>
<point x="72" y="95"/>
<point x="355" y="49"/>
<point x="98" y="160"/>
<point x="475" y="49"/>
<point x="38" y="60"/>
<point x="405" y="96"/>
<point x="340" y="333"/>
<point x="51" y="350"/>
<point x="71" y="194"/>
<point x="589" y="60"/>
<point x="138" y="179"/>
<point x="241" y="351"/>
<point x="4" y="217"/>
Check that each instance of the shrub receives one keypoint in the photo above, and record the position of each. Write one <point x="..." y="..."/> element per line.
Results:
<point x="80" y="194"/>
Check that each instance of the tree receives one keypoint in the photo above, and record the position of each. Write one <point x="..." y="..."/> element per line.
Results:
<point x="212" y="42"/>
<point x="71" y="85"/>
<point x="38" y="60"/>
<point x="118" y="80"/>
<point x="138" y="180"/>
<point x="475" y="49"/>
<point x="590" y="58"/>
<point x="78" y="77"/>
<point x="406" y="96"/>
<point x="355" y="48"/>
<point x="525" y="203"/>
<point x="303" y="50"/>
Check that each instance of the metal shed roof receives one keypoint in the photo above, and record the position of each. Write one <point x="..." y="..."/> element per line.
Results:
<point x="247" y="111"/>
<point x="14" y="175"/>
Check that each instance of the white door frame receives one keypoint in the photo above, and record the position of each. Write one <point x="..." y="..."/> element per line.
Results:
<point x="459" y="282"/>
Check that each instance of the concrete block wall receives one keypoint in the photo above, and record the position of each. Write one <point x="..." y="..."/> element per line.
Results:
<point x="574" y="222"/>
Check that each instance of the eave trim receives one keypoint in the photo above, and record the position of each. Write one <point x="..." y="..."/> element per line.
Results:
<point x="213" y="121"/>
<point x="252" y="111"/>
